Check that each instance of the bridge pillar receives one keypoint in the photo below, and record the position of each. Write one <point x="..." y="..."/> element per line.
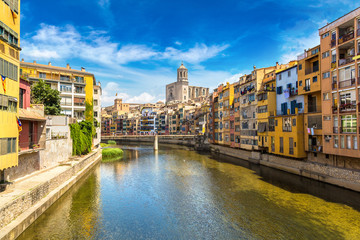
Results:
<point x="156" y="143"/>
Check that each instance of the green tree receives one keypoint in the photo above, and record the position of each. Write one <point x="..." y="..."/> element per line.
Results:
<point x="41" y="93"/>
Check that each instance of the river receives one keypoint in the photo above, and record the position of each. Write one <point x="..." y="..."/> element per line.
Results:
<point x="177" y="193"/>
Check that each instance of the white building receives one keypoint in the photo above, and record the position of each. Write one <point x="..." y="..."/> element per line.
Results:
<point x="287" y="98"/>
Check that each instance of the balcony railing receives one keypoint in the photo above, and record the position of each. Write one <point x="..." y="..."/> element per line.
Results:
<point x="80" y="91"/>
<point x="347" y="60"/>
<point x="334" y="109"/>
<point x="358" y="32"/>
<point x="307" y="88"/>
<point x="346" y="37"/>
<point x="293" y="92"/>
<point x="315" y="148"/>
<point x="347" y="83"/>
<point x="309" y="71"/>
<point x="349" y="107"/>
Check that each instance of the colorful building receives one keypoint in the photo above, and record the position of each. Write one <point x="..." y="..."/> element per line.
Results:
<point x="340" y="86"/>
<point x="76" y="87"/>
<point x="9" y="86"/>
<point x="310" y="87"/>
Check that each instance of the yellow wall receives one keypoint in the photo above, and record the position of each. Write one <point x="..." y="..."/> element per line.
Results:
<point x="297" y="134"/>
<point x="8" y="124"/>
<point x="89" y="90"/>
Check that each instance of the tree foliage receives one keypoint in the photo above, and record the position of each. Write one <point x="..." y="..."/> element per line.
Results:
<point x="41" y="93"/>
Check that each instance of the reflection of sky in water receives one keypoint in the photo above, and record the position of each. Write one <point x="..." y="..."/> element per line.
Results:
<point x="180" y="194"/>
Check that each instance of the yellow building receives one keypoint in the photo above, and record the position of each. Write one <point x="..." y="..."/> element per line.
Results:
<point x="266" y="108"/>
<point x="76" y="87"/>
<point x="9" y="87"/>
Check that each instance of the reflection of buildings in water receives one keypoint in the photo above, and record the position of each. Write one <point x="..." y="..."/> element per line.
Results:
<point x="85" y="208"/>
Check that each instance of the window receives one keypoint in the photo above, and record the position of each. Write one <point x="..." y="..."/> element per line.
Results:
<point x="280" y="76"/>
<point x="342" y="141"/>
<point x="21" y="98"/>
<point x="64" y="78"/>
<point x="262" y="109"/>
<point x="327" y="118"/>
<point x="8" y="69"/>
<point x="300" y="83"/>
<point x="348" y="142"/>
<point x="300" y="66"/>
<point x="348" y="123"/>
<point x="42" y="75"/>
<point x="95" y="102"/>
<point x="289" y="73"/>
<point x="325" y="35"/>
<point x="286" y="124"/>
<point x="294" y="122"/>
<point x="325" y="54"/>
<point x="326" y="75"/>
<point x="355" y="143"/>
<point x="326" y="96"/>
<point x="66" y="101"/>
<point x="333" y="56"/>
<point x="279" y="90"/>
<point x="7" y="145"/>
<point x="315" y="79"/>
<point x="95" y="91"/>
<point x="291" y="146"/>
<point x="336" y="141"/>
<point x="281" y="145"/>
<point x="327" y="138"/>
<point x="315" y="51"/>
<point x="65" y="88"/>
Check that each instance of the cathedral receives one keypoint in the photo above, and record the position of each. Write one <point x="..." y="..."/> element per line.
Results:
<point x="180" y="91"/>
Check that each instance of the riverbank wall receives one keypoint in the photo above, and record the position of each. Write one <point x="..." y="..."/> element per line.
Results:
<point x="339" y="176"/>
<point x="23" y="208"/>
<point x="342" y="177"/>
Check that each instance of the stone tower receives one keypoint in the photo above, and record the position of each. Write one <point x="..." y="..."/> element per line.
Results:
<point x="182" y="73"/>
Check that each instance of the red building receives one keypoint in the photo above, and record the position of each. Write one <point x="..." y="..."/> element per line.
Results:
<point x="32" y="120"/>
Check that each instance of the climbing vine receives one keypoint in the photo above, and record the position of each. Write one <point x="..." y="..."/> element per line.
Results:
<point x="89" y="110"/>
<point x="82" y="134"/>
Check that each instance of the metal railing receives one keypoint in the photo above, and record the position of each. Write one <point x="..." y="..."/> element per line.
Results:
<point x="333" y="43"/>
<point x="358" y="32"/>
<point x="348" y="129"/>
<point x="349" y="107"/>
<point x="347" y="83"/>
<point x="346" y="37"/>
<point x="347" y="60"/>
<point x="312" y="108"/>
<point x="335" y="130"/>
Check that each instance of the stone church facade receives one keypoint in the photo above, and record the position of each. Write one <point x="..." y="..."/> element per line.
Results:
<point x="180" y="91"/>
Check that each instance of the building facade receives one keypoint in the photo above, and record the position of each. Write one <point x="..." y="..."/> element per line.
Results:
<point x="76" y="87"/>
<point x="340" y="86"/>
<point x="9" y="86"/>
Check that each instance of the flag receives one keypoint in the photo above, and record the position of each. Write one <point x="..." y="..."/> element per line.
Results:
<point x="3" y="80"/>
<point x="19" y="124"/>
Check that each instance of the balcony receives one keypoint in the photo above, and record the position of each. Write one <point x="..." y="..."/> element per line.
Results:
<point x="312" y="108"/>
<point x="345" y="61"/>
<point x="333" y="65"/>
<point x="348" y="107"/>
<point x="307" y="88"/>
<point x="293" y="92"/>
<point x="315" y="148"/>
<point x="79" y="91"/>
<point x="347" y="83"/>
<point x="334" y="109"/>
<point x="310" y="71"/>
<point x="346" y="37"/>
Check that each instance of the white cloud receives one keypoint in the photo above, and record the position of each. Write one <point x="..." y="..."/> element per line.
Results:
<point x="178" y="43"/>
<point x="52" y="42"/>
<point x="113" y="90"/>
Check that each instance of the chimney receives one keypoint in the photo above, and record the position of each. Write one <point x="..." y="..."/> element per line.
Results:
<point x="83" y="69"/>
<point x="254" y="67"/>
<point x="68" y="66"/>
<point x="22" y="60"/>
<point x="277" y="65"/>
<point x="49" y="64"/>
<point x="34" y="62"/>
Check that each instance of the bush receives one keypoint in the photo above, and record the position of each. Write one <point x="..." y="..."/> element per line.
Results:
<point x="111" y="142"/>
<point x="111" y="154"/>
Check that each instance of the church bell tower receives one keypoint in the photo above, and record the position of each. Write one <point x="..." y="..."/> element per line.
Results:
<point x="182" y="73"/>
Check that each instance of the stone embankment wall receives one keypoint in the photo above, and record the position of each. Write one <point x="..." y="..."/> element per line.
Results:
<point x="20" y="213"/>
<point x="342" y="177"/>
<point x="57" y="151"/>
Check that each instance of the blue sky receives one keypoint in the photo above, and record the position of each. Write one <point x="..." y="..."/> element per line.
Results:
<point x="134" y="47"/>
